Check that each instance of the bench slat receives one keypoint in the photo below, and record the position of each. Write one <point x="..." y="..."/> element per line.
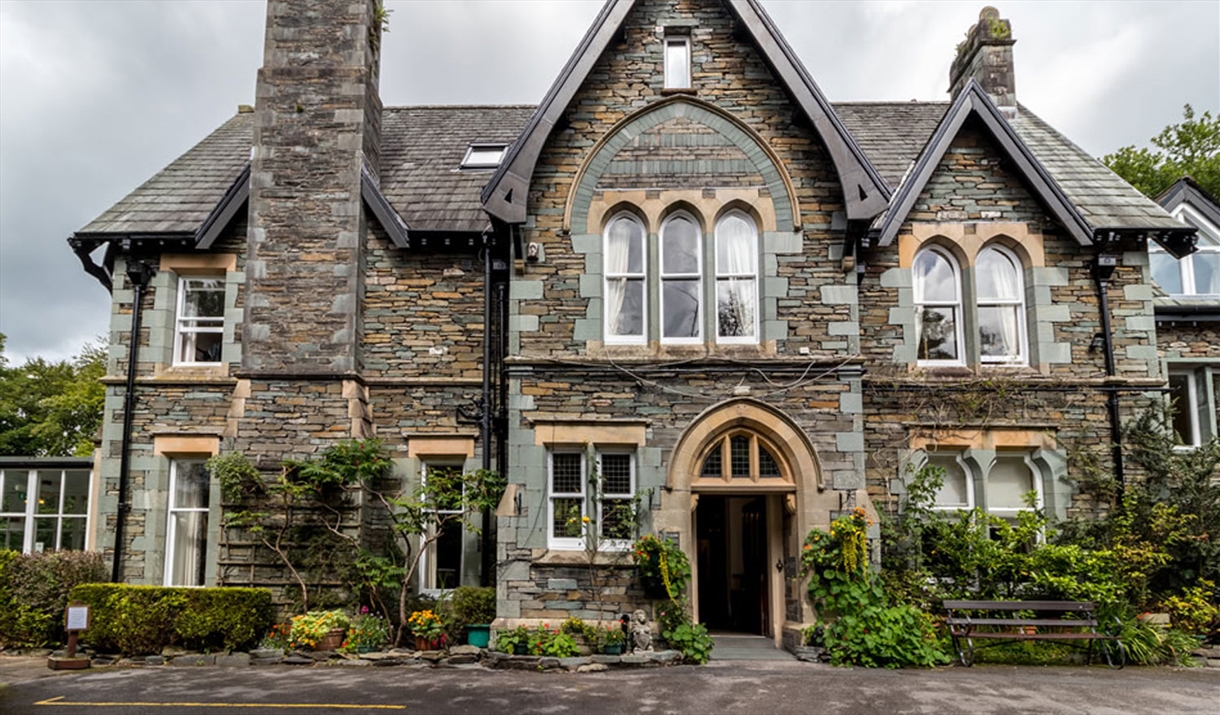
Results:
<point x="1065" y="606"/>
<point x="1042" y="636"/>
<point x="1021" y="622"/>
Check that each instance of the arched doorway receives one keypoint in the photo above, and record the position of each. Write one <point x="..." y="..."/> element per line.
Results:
<point x="743" y="488"/>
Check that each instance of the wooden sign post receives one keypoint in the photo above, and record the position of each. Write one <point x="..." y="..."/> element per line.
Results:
<point x="77" y="618"/>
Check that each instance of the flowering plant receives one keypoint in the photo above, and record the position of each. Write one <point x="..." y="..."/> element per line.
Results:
<point x="613" y="635"/>
<point x="426" y="624"/>
<point x="661" y="559"/>
<point x="368" y="632"/>
<point x="277" y="637"/>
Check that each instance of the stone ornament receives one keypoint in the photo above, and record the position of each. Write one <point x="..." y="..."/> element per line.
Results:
<point x="641" y="633"/>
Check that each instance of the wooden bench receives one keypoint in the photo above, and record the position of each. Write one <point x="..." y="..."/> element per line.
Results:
<point x="1072" y="622"/>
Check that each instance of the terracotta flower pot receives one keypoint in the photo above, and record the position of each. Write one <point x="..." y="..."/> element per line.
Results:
<point x="332" y="640"/>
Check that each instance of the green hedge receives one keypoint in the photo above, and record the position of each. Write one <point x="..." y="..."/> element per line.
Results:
<point x="34" y="592"/>
<point x="135" y="620"/>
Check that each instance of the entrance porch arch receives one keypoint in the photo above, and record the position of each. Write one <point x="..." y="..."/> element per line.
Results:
<point x="795" y="494"/>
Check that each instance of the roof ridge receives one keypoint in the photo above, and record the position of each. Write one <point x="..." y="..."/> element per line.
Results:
<point x="459" y="106"/>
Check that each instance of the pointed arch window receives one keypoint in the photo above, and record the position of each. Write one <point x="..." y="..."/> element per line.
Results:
<point x="626" y="273"/>
<point x="681" y="280"/>
<point x="1001" y="306"/>
<point x="736" y="279"/>
<point x="938" y="308"/>
<point x="740" y="457"/>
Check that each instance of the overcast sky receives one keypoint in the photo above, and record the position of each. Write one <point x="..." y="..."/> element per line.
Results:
<point x="96" y="97"/>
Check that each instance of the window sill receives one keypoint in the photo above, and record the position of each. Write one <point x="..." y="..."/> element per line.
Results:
<point x="561" y="557"/>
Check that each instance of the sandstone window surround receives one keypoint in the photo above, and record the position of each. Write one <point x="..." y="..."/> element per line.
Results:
<point x="690" y="273"/>
<point x="453" y="559"/>
<point x="44" y="509"/>
<point x="1192" y="405"/>
<point x="961" y="322"/>
<point x="580" y="499"/>
<point x="201" y="291"/>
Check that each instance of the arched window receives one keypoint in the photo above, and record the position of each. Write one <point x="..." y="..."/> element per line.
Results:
<point x="625" y="295"/>
<point x="938" y="303"/>
<point x="741" y="456"/>
<point x="681" y="280"/>
<point x="736" y="279"/>
<point x="1001" y="306"/>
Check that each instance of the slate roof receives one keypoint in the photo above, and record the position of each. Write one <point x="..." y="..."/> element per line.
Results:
<point x="180" y="196"/>
<point x="422" y="148"/>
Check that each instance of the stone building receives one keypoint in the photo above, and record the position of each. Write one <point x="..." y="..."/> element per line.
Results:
<point x="685" y="281"/>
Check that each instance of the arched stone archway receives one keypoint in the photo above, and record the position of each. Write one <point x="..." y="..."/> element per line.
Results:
<point x="795" y="495"/>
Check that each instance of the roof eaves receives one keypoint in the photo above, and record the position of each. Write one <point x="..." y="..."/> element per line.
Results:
<point x="513" y="176"/>
<point x="389" y="219"/>
<point x="864" y="190"/>
<point x="973" y="100"/>
<point x="1186" y="191"/>
<point x="218" y="220"/>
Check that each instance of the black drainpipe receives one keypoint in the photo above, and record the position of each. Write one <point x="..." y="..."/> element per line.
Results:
<point x="139" y="273"/>
<point x="485" y="411"/>
<point x="1103" y="271"/>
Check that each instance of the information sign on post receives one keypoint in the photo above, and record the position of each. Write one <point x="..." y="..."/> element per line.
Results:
<point x="76" y="619"/>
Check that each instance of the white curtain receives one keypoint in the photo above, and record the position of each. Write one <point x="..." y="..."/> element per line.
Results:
<point x="999" y="282"/>
<point x="735" y="256"/>
<point x="618" y="251"/>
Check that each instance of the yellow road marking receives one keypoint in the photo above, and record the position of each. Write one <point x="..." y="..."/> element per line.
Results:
<point x="344" y="706"/>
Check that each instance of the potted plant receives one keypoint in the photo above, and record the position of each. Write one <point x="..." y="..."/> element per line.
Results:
<point x="428" y="629"/>
<point x="319" y="630"/>
<point x="475" y="609"/>
<point x="613" y="640"/>
<point x="515" y="641"/>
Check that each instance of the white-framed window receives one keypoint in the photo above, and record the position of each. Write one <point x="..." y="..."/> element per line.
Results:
<point x="483" y="156"/>
<point x="677" y="63"/>
<point x="572" y="510"/>
<point x="1192" y="410"/>
<point x="681" y="279"/>
<point x="1010" y="478"/>
<point x="957" y="488"/>
<point x="626" y="303"/>
<point x="938" y="308"/>
<point x="44" y="509"/>
<point x="200" y="323"/>
<point x="442" y="561"/>
<point x="736" y="279"/>
<point x="1197" y="274"/>
<point x="1000" y="295"/>
<point x="186" y="533"/>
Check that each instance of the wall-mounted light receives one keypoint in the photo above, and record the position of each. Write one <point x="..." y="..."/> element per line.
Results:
<point x="533" y="251"/>
<point x="1099" y="342"/>
<point x="1104" y="266"/>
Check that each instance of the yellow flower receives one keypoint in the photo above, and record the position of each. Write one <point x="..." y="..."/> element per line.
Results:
<point x="585" y="519"/>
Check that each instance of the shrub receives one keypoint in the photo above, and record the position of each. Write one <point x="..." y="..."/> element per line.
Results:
<point x="34" y="592"/>
<point x="473" y="605"/>
<point x="868" y="629"/>
<point x="135" y="620"/>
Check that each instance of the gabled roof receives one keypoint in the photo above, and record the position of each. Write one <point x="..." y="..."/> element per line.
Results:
<point x="865" y="192"/>
<point x="1186" y="191"/>
<point x="973" y="101"/>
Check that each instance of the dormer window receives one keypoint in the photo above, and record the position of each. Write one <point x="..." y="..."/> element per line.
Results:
<point x="677" y="63"/>
<point x="484" y="156"/>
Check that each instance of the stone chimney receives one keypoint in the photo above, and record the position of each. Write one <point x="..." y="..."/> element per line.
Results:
<point x="317" y="122"/>
<point x="986" y="57"/>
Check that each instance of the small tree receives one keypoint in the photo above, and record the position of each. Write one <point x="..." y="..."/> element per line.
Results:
<point x="1191" y="148"/>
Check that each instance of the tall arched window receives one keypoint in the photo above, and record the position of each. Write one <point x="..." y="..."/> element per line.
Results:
<point x="681" y="280"/>
<point x="1001" y="306"/>
<point x="625" y="295"/>
<point x="736" y="279"/>
<point x="938" y="303"/>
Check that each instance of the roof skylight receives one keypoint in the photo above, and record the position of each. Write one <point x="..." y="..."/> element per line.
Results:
<point x="484" y="156"/>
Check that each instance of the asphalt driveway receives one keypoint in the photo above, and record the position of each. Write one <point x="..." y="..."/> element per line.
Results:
<point x="753" y="687"/>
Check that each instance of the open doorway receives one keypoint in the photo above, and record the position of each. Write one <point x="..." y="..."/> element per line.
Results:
<point x="732" y="561"/>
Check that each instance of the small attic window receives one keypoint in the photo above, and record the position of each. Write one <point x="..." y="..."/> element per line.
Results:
<point x="677" y="62"/>
<point x="483" y="156"/>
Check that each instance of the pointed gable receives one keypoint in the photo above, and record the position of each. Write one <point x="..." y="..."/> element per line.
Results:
<point x="865" y="192"/>
<point x="974" y="106"/>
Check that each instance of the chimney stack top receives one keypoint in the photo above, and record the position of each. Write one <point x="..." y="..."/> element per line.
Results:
<point x="986" y="57"/>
